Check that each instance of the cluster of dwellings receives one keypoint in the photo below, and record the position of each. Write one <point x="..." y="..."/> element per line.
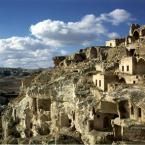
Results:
<point x="136" y="33"/>
<point x="111" y="113"/>
<point x="130" y="72"/>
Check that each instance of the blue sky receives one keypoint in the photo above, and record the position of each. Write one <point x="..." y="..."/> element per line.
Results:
<point x="33" y="31"/>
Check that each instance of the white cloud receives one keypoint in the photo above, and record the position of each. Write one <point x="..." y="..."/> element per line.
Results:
<point x="89" y="28"/>
<point x="18" y="43"/>
<point x="49" y="37"/>
<point x="119" y="16"/>
<point x="27" y="52"/>
<point x="68" y="33"/>
<point x="113" y="35"/>
<point x="115" y="17"/>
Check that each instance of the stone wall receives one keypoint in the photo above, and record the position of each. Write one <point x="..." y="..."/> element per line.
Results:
<point x="140" y="67"/>
<point x="134" y="133"/>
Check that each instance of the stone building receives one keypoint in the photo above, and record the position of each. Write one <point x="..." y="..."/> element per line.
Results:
<point x="101" y="80"/>
<point x="127" y="65"/>
<point x="106" y="111"/>
<point x="132" y="70"/>
<point x="115" y="42"/>
<point x="129" y="110"/>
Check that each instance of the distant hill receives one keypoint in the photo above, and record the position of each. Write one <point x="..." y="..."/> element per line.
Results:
<point x="10" y="82"/>
<point x="16" y="72"/>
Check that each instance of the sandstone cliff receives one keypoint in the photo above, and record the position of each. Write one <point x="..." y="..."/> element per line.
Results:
<point x="56" y="102"/>
<point x="63" y="105"/>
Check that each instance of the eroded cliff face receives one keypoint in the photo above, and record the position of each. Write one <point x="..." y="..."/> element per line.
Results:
<point x="57" y="102"/>
<point x="57" y="105"/>
<point x="66" y="104"/>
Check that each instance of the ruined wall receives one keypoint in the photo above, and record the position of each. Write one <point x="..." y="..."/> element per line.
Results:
<point x="136" y="113"/>
<point x="131" y="79"/>
<point x="136" y="33"/>
<point x="134" y="133"/>
<point x="133" y="27"/>
<point x="113" y="86"/>
<point x="109" y="107"/>
<point x="140" y="67"/>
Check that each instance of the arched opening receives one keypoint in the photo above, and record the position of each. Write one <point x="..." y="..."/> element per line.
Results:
<point x="132" y="110"/>
<point x="122" y="80"/>
<point x="130" y="52"/>
<point x="123" y="109"/>
<point x="139" y="112"/>
<point x="136" y="35"/>
<point x="141" y="61"/>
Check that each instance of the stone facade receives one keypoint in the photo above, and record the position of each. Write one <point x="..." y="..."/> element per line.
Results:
<point x="115" y="42"/>
<point x="131" y="69"/>
<point x="102" y="80"/>
<point x="127" y="65"/>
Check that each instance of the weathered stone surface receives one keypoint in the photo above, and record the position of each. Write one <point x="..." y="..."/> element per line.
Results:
<point x="66" y="105"/>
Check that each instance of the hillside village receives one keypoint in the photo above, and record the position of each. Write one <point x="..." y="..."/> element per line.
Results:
<point x="94" y="96"/>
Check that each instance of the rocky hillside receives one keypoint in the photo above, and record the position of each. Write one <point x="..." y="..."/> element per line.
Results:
<point x="57" y="104"/>
<point x="63" y="104"/>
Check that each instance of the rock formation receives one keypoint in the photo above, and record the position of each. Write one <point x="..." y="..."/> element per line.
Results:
<point x="88" y="97"/>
